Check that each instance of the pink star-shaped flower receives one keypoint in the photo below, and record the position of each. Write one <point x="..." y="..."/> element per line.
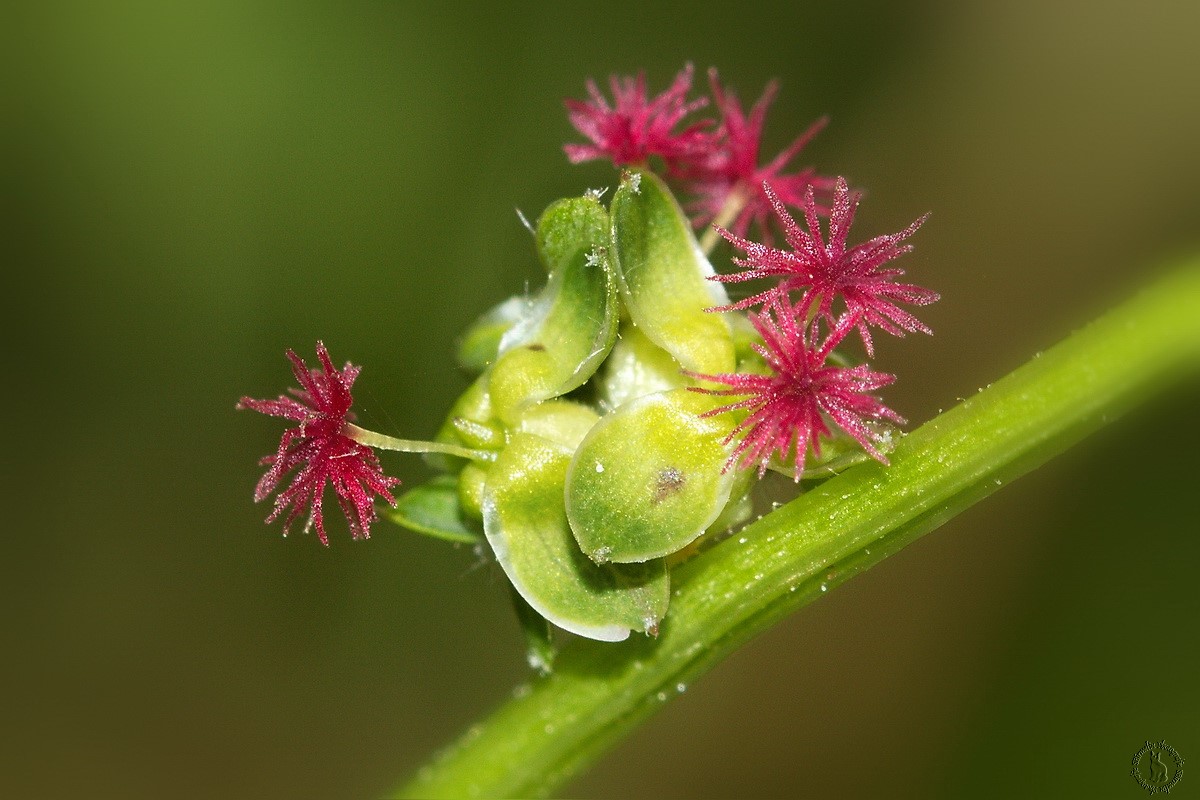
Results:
<point x="789" y="407"/>
<point x="731" y="167"/>
<point x="634" y="128"/>
<point x="320" y="451"/>
<point x="822" y="271"/>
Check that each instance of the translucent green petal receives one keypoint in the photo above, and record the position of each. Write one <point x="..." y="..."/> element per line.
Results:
<point x="635" y="368"/>
<point x="526" y="526"/>
<point x="470" y="423"/>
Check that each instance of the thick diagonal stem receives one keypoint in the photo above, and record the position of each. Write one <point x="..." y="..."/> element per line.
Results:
<point x="600" y="691"/>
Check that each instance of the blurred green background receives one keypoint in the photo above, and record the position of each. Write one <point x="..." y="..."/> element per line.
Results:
<point x="195" y="190"/>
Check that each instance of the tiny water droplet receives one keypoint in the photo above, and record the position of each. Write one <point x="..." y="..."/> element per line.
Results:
<point x="599" y="467"/>
<point x="824" y="588"/>
<point x="742" y="540"/>
<point x="662" y="697"/>
<point x="681" y="687"/>
<point x="758" y="577"/>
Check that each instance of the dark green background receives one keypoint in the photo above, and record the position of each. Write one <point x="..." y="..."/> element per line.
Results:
<point x="194" y="191"/>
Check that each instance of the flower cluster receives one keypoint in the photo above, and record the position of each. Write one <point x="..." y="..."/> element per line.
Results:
<point x="822" y="271"/>
<point x="634" y="127"/>
<point x="821" y="281"/>
<point x="783" y="404"/>
<point x="320" y="450"/>
<point x="715" y="163"/>
<point x="788" y="408"/>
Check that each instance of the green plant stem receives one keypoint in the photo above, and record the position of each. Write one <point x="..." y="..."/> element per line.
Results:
<point x="557" y="725"/>
<point x="725" y="216"/>
<point x="382" y="441"/>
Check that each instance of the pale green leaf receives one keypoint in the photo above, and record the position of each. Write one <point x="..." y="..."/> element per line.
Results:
<point x="433" y="510"/>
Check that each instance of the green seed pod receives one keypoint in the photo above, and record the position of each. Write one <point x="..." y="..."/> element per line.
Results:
<point x="648" y="478"/>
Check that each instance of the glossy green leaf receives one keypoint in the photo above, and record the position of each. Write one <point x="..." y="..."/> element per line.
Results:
<point x="566" y="331"/>
<point x="663" y="276"/>
<point x="433" y="510"/>
<point x="648" y="478"/>
<point x="480" y="345"/>
<point x="526" y="526"/>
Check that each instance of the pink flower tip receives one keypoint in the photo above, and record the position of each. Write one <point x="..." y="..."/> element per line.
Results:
<point x="635" y="127"/>
<point x="822" y="269"/>
<point x="730" y="176"/>
<point x="320" y="452"/>
<point x="790" y="409"/>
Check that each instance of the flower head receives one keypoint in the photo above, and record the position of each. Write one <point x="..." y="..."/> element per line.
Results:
<point x="789" y="408"/>
<point x="730" y="170"/>
<point x="635" y="128"/>
<point x="320" y="450"/>
<point x="822" y="271"/>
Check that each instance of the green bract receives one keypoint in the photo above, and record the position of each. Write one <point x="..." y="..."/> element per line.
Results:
<point x="589" y="494"/>
<point x="663" y="275"/>
<point x="566" y="332"/>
